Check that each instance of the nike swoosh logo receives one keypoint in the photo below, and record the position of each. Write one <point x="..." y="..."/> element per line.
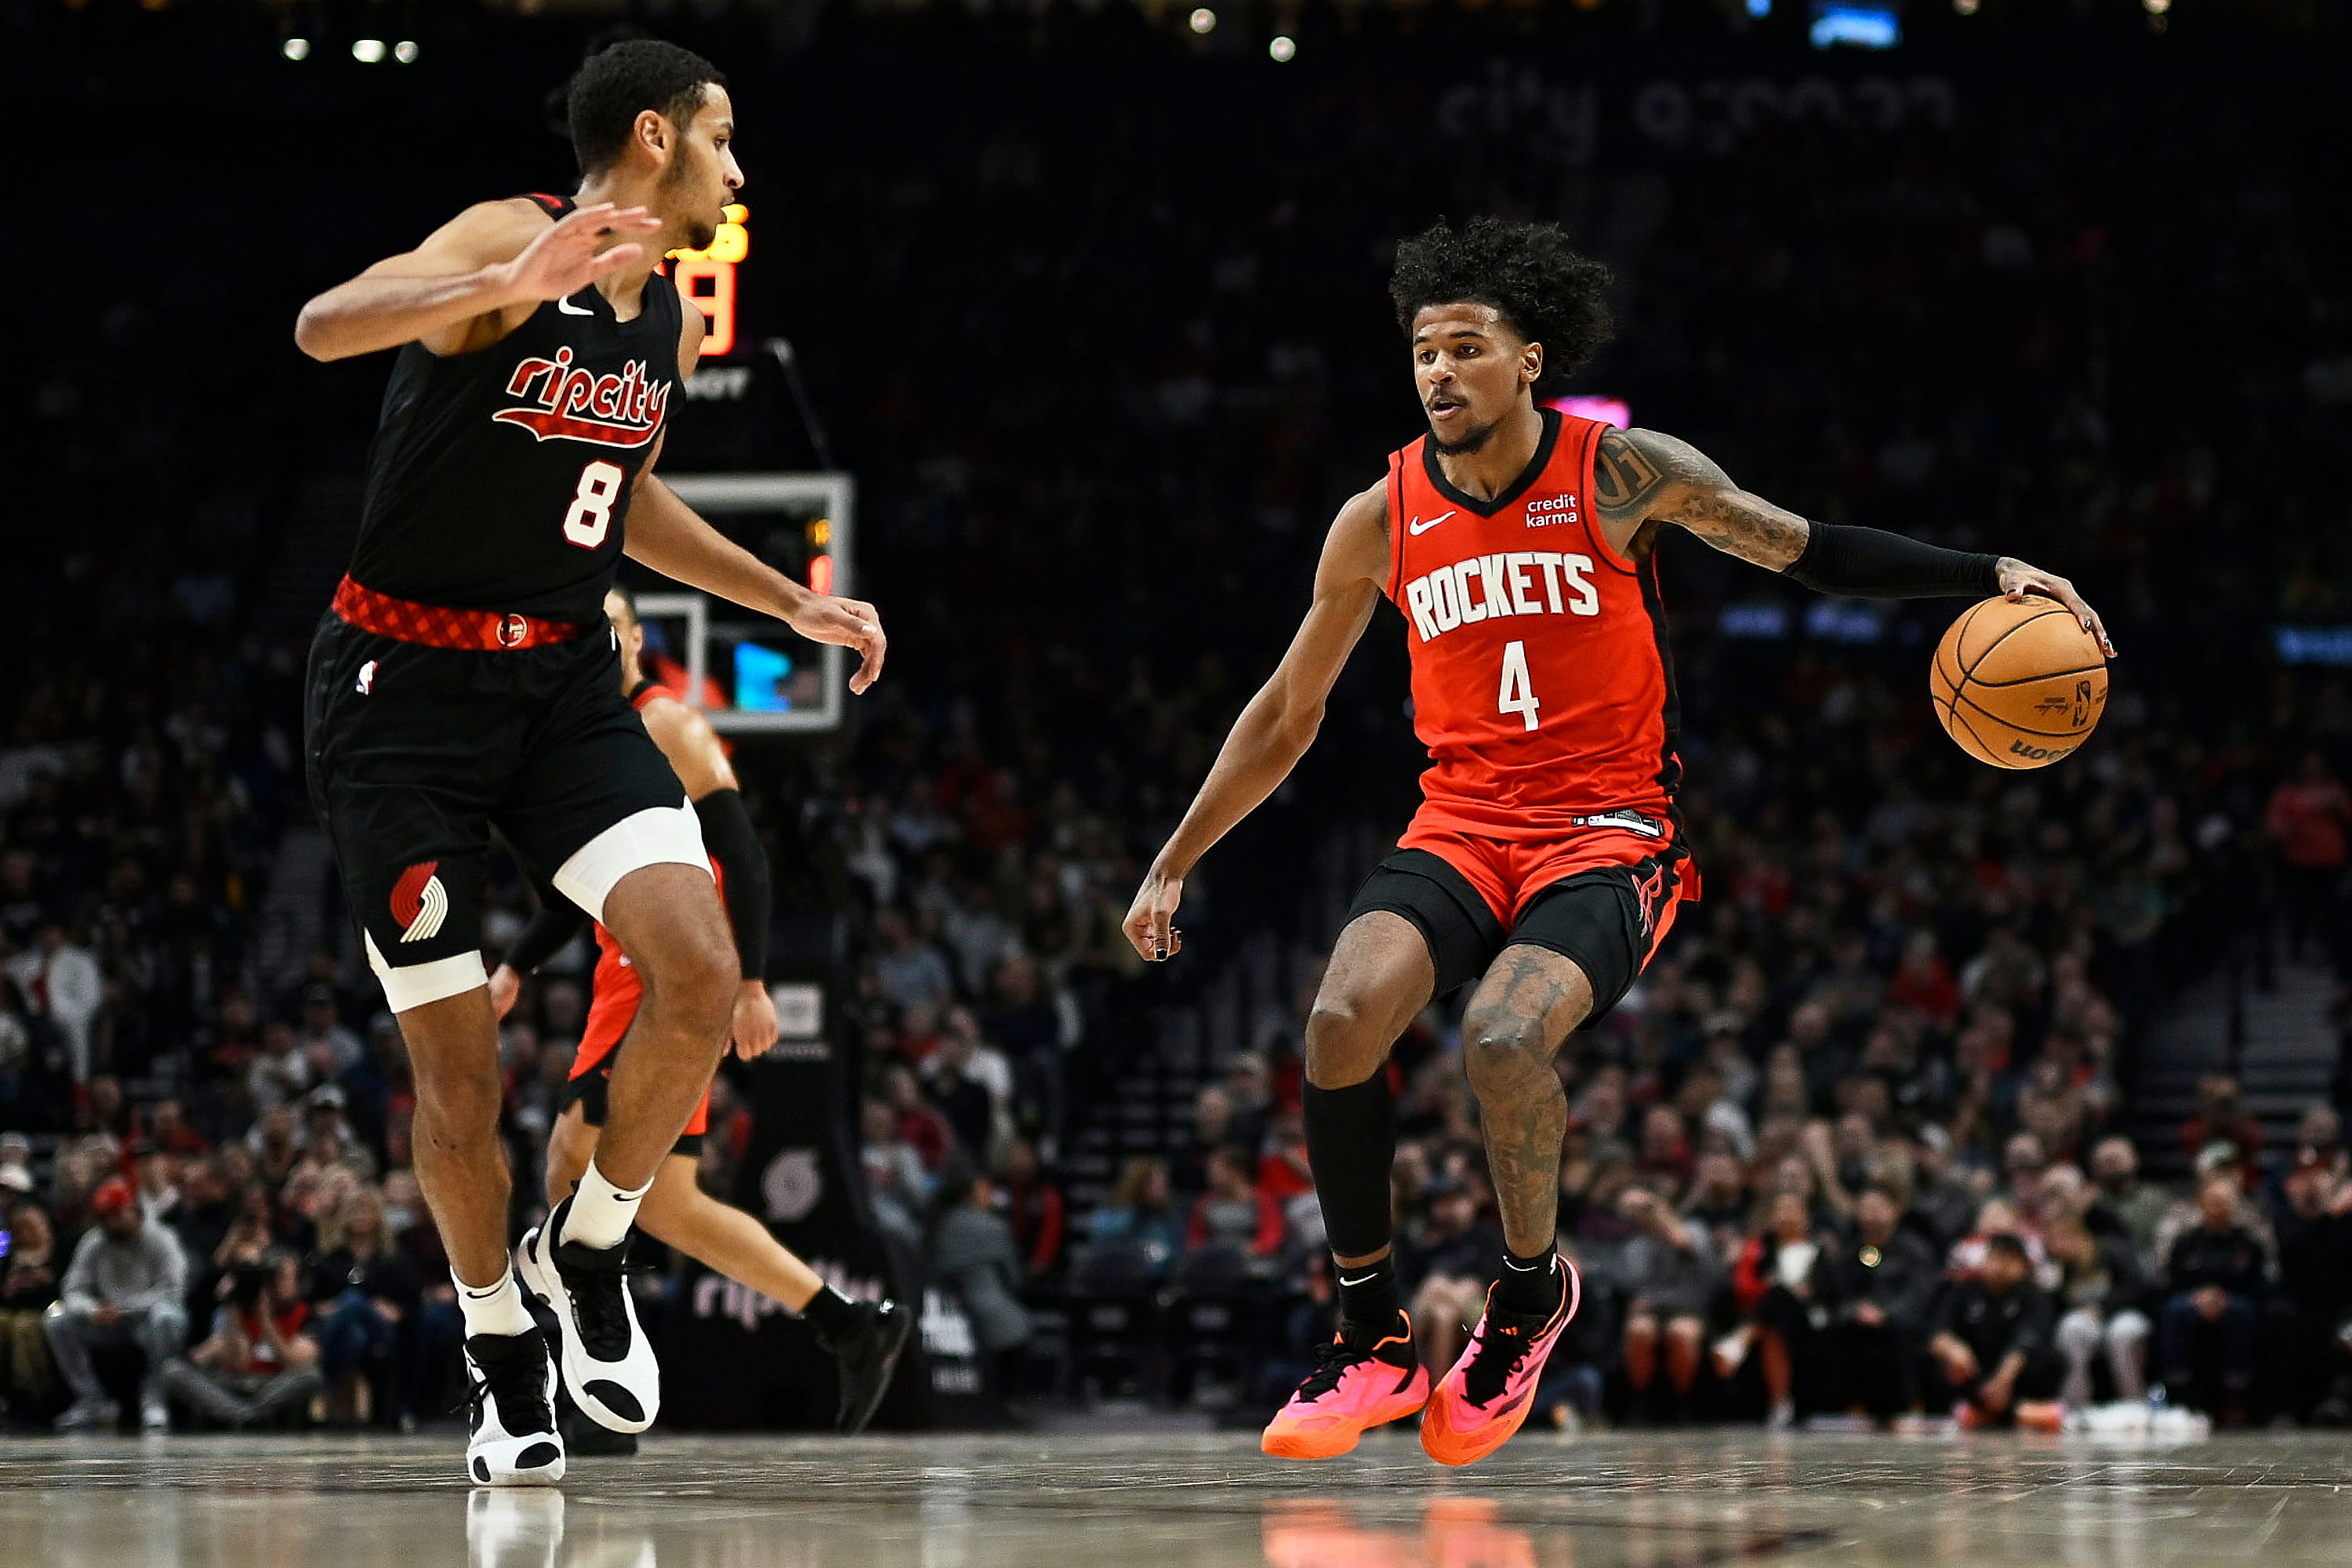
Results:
<point x="1352" y="1284"/>
<point x="1417" y="528"/>
<point x="569" y="309"/>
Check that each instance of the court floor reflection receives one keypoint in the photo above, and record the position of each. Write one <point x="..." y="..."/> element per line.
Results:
<point x="1165" y="1500"/>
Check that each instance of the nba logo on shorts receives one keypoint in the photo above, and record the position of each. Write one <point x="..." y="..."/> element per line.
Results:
<point x="419" y="902"/>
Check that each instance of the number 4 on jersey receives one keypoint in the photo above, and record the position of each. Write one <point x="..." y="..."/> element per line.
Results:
<point x="591" y="517"/>
<point x="1518" y="696"/>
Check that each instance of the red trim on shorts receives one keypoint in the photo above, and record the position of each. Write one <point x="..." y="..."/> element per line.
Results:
<point x="436" y="626"/>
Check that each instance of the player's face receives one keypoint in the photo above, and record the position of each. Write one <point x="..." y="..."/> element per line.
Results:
<point x="703" y="175"/>
<point x="632" y="633"/>
<point x="1470" y="370"/>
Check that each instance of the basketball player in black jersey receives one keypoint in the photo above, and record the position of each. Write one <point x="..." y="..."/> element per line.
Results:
<point x="466" y="679"/>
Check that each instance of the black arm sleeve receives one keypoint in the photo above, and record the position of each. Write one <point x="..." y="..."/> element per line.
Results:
<point x="1870" y="563"/>
<point x="726" y="829"/>
<point x="558" y="921"/>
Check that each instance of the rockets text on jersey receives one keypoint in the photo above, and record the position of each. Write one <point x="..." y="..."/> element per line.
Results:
<point x="1541" y="682"/>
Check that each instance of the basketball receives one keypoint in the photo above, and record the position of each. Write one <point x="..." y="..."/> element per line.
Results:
<point x="2017" y="684"/>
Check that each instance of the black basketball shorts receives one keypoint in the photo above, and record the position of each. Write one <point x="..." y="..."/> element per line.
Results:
<point x="416" y="754"/>
<point x="1608" y="920"/>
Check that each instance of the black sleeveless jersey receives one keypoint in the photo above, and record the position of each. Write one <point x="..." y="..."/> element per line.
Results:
<point x="499" y="480"/>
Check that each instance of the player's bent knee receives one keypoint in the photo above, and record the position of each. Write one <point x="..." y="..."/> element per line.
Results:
<point x="692" y="983"/>
<point x="1343" y="1046"/>
<point x="1500" y="1041"/>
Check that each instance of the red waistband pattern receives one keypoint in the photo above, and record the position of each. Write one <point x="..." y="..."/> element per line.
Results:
<point x="435" y="626"/>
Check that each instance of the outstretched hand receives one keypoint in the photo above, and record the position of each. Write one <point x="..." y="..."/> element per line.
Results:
<point x="1150" y="922"/>
<point x="566" y="258"/>
<point x="2018" y="580"/>
<point x="846" y="623"/>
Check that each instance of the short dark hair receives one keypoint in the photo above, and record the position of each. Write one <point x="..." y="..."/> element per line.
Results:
<point x="616" y="84"/>
<point x="1547" y="290"/>
<point x="2003" y="1242"/>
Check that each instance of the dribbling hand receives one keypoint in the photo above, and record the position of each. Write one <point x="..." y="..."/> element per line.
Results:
<point x="566" y="258"/>
<point x="1150" y="922"/>
<point x="2018" y="580"/>
<point x="846" y="623"/>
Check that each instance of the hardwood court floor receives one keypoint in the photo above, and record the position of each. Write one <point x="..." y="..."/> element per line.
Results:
<point x="1162" y="1499"/>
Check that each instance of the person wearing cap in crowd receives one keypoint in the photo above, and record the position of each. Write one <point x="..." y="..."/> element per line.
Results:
<point x="126" y="1286"/>
<point x="327" y="1137"/>
<point x="331" y="1050"/>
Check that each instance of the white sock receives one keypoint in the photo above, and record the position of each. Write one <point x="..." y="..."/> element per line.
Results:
<point x="492" y="1309"/>
<point x="600" y="1212"/>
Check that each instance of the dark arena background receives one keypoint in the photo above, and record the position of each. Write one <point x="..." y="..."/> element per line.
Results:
<point x="1059" y="331"/>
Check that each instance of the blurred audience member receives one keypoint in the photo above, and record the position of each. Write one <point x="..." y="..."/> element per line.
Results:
<point x="1670" y="1274"/>
<point x="126" y="1286"/>
<point x="1992" y="1343"/>
<point x="1140" y="1211"/>
<point x="2214" y="1274"/>
<point x="2100" y="1292"/>
<point x="28" y="1285"/>
<point x="260" y="1359"/>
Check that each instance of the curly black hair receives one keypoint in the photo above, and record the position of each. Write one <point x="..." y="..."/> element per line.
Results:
<point x="1549" y="291"/>
<point x="621" y="82"/>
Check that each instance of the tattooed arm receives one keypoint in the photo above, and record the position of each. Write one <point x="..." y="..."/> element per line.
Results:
<point x="1642" y="479"/>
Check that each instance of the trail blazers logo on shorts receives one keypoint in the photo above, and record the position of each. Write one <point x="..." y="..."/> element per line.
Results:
<point x="574" y="404"/>
<point x="419" y="902"/>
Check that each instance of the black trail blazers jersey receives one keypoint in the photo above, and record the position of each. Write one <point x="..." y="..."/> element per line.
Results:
<point x="499" y="480"/>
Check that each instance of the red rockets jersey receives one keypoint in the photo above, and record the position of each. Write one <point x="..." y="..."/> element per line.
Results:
<point x="1541" y="683"/>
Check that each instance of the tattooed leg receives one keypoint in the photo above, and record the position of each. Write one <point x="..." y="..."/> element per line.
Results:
<point x="1520" y="1016"/>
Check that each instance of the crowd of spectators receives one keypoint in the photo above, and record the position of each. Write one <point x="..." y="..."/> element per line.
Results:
<point x="1852" y="1143"/>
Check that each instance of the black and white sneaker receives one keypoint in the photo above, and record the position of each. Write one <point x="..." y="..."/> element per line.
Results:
<point x="510" y="1436"/>
<point x="868" y="1355"/>
<point x="608" y="1365"/>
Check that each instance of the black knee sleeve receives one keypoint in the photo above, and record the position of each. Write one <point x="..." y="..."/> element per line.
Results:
<point x="1350" y="1146"/>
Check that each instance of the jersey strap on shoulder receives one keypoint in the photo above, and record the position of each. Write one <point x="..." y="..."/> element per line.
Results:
<point x="554" y="206"/>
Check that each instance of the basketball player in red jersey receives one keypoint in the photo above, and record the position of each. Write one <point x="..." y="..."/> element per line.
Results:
<point x="865" y="1338"/>
<point x="1548" y="860"/>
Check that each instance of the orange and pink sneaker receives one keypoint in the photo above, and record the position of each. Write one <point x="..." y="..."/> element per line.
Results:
<point x="1484" y="1397"/>
<point x="1360" y="1381"/>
